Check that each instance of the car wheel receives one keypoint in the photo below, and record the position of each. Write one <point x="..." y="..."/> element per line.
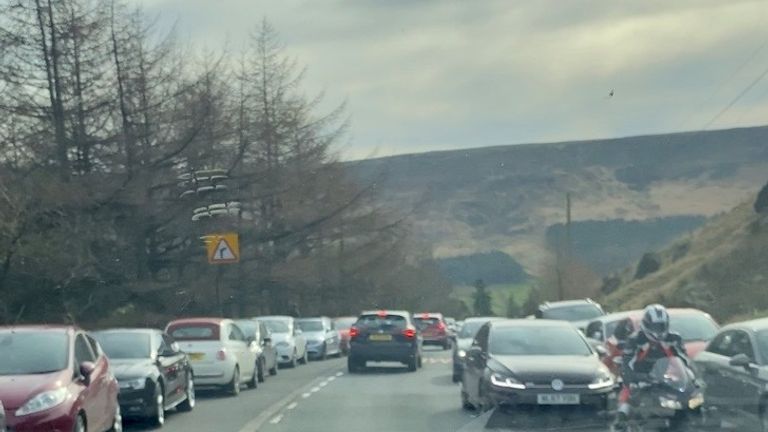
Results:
<point x="324" y="355"/>
<point x="413" y="364"/>
<point x="421" y="362"/>
<point x="253" y="381"/>
<point x="79" y="424"/>
<point x="456" y="377"/>
<point x="157" y="420"/>
<point x="354" y="365"/>
<point x="260" y="369"/>
<point x="233" y="388"/>
<point x="189" y="401"/>
<point x="117" y="421"/>
<point x="446" y="345"/>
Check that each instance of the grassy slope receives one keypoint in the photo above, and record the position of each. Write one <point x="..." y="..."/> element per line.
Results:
<point x="721" y="268"/>
<point x="499" y="295"/>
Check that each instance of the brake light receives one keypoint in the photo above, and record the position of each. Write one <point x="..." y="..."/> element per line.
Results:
<point x="424" y="315"/>
<point x="221" y="354"/>
<point x="441" y="326"/>
<point x="382" y="314"/>
<point x="409" y="333"/>
<point x="353" y="332"/>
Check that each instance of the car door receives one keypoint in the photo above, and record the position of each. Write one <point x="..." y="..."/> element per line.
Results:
<point x="712" y="365"/>
<point x="94" y="394"/>
<point x="245" y="356"/>
<point x="742" y="382"/>
<point x="475" y="363"/>
<point x="170" y="366"/>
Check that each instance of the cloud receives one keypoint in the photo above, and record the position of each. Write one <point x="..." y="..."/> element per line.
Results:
<point x="436" y="74"/>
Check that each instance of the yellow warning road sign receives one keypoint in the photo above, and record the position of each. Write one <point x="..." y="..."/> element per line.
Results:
<point x="223" y="248"/>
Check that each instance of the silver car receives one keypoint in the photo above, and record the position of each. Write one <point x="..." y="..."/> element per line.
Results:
<point x="323" y="339"/>
<point x="288" y="338"/>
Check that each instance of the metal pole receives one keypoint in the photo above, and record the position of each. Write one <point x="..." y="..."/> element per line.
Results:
<point x="219" y="273"/>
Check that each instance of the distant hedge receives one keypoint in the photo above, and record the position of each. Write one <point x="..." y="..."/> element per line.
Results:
<point x="494" y="267"/>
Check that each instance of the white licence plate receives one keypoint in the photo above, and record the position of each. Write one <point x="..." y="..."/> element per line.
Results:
<point x="558" y="399"/>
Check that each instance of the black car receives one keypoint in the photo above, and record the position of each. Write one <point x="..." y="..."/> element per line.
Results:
<point x="533" y="362"/>
<point x="154" y="375"/>
<point x="464" y="338"/>
<point x="384" y="336"/>
<point x="734" y="367"/>
<point x="267" y="360"/>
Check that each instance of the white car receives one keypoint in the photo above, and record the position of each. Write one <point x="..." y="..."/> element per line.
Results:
<point x="219" y="351"/>
<point x="288" y="339"/>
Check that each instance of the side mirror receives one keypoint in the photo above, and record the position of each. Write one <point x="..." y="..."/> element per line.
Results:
<point x="267" y="340"/>
<point x="596" y="335"/>
<point x="86" y="370"/>
<point x="740" y="360"/>
<point x="601" y="351"/>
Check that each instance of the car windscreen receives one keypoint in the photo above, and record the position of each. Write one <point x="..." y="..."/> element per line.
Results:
<point x="276" y="326"/>
<point x="192" y="332"/>
<point x="426" y="322"/>
<point x="762" y="343"/>
<point x="128" y="345"/>
<point x="384" y="322"/>
<point x="310" y="326"/>
<point x="693" y="327"/>
<point x="572" y="313"/>
<point x="537" y="341"/>
<point x="27" y="353"/>
<point x="469" y="329"/>
<point x="344" y="323"/>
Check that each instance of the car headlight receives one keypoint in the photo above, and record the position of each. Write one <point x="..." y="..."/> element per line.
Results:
<point x="133" y="384"/>
<point x="44" y="401"/>
<point x="603" y="380"/>
<point x="696" y="401"/>
<point x="461" y="353"/>
<point x="506" y="382"/>
<point x="670" y="403"/>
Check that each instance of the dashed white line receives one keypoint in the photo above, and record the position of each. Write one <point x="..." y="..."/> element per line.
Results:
<point x="338" y="374"/>
<point x="331" y="378"/>
<point x="323" y="384"/>
<point x="292" y="405"/>
<point x="315" y="389"/>
<point x="306" y="395"/>
<point x="276" y="419"/>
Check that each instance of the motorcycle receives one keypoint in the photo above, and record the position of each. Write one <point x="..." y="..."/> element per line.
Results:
<point x="671" y="398"/>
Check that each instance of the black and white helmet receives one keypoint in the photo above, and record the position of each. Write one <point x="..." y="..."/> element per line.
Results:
<point x="655" y="323"/>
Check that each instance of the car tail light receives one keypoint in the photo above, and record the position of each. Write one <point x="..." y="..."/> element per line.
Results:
<point x="441" y="326"/>
<point x="409" y="333"/>
<point x="221" y="354"/>
<point x="382" y="314"/>
<point x="353" y="332"/>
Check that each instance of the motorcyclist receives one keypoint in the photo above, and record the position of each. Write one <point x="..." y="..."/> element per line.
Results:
<point x="650" y="343"/>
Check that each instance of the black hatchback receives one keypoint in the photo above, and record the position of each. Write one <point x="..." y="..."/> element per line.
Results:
<point x="384" y="336"/>
<point x="154" y="375"/>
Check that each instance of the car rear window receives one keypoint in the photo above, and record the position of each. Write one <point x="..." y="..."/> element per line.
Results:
<point x="200" y="331"/>
<point x="382" y="322"/>
<point x="427" y="321"/>
<point x="573" y="313"/>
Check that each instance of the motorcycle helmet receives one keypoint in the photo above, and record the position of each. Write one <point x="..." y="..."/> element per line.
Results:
<point x="655" y="322"/>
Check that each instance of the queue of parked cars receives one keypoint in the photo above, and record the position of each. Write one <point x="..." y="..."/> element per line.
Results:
<point x="65" y="378"/>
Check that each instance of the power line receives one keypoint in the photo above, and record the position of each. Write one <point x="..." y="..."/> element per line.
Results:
<point x="736" y="99"/>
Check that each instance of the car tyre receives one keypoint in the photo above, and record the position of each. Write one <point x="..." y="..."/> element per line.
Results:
<point x="273" y="371"/>
<point x="157" y="419"/>
<point x="79" y="424"/>
<point x="465" y="403"/>
<point x="189" y="402"/>
<point x="446" y="345"/>
<point x="413" y="364"/>
<point x="324" y="355"/>
<point x="117" y="421"/>
<point x="456" y="377"/>
<point x="260" y="369"/>
<point x="253" y="382"/>
<point x="233" y="388"/>
<point x="421" y="361"/>
<point x="354" y="365"/>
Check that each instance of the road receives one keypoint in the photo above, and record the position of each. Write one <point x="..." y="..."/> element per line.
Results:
<point x="322" y="396"/>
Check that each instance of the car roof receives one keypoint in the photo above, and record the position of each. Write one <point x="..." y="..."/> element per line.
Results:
<point x="483" y="319"/>
<point x="128" y="330"/>
<point x="201" y="320"/>
<point x="566" y="303"/>
<point x="752" y="325"/>
<point x="312" y="318"/>
<point x="428" y="315"/>
<point x="275" y="317"/>
<point x="42" y="327"/>
<point x="618" y="315"/>
<point x="389" y="312"/>
<point x="537" y="323"/>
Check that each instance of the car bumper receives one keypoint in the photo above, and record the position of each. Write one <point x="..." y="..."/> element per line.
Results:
<point x="598" y="399"/>
<point x="285" y="353"/>
<point x="216" y="374"/>
<point x="315" y="350"/>
<point x="136" y="403"/>
<point x="57" y="419"/>
<point x="435" y="340"/>
<point x="369" y="352"/>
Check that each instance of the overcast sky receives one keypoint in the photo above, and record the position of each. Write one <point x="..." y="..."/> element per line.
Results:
<point x="421" y="75"/>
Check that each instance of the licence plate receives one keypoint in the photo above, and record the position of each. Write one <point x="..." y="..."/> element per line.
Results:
<point x="558" y="399"/>
<point x="196" y="356"/>
<point x="380" y="337"/>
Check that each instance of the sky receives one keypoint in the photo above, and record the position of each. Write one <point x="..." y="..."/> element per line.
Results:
<point x="425" y="75"/>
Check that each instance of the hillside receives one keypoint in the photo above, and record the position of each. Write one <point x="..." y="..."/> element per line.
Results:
<point x="720" y="268"/>
<point x="505" y="198"/>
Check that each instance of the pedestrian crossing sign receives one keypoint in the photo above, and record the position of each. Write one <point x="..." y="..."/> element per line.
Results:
<point x="223" y="248"/>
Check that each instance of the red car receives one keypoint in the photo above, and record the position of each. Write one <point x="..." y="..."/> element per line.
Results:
<point x="694" y="326"/>
<point x="56" y="379"/>
<point x="433" y="329"/>
<point x="342" y="325"/>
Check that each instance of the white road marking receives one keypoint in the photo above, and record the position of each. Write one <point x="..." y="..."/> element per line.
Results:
<point x="315" y="389"/>
<point x="276" y="419"/>
<point x="331" y="378"/>
<point x="292" y="405"/>
<point x="339" y="373"/>
<point x="306" y="395"/>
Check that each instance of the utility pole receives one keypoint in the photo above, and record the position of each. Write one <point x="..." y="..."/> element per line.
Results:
<point x="564" y="251"/>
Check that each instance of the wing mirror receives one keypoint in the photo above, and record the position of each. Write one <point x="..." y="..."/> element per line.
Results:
<point x="740" y="360"/>
<point x="601" y="351"/>
<point x="596" y="335"/>
<point x="86" y="370"/>
<point x="267" y="340"/>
